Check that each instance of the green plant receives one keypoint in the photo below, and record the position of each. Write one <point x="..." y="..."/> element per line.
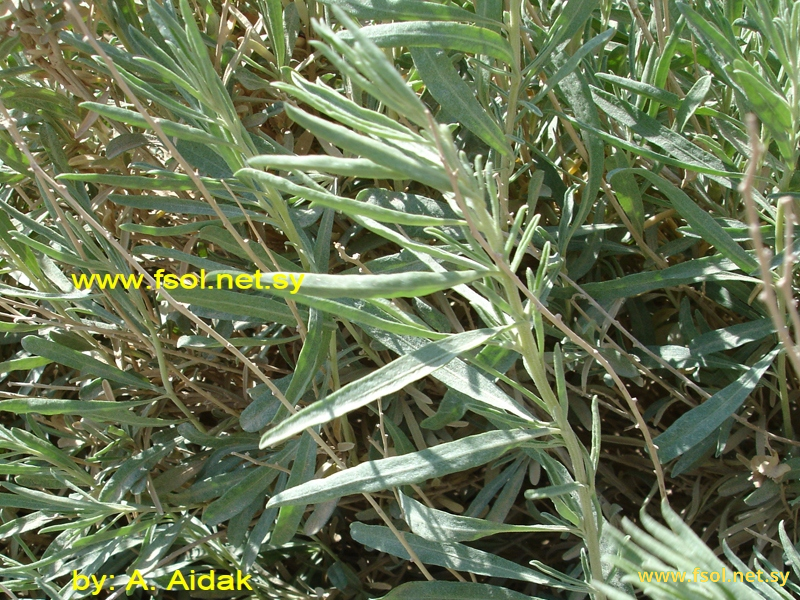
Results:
<point x="677" y="549"/>
<point x="521" y="233"/>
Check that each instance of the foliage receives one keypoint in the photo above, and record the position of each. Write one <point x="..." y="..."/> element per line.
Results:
<point x="547" y="254"/>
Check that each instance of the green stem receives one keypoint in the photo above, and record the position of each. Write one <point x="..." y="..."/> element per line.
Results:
<point x="534" y="364"/>
<point x="507" y="162"/>
<point x="167" y="382"/>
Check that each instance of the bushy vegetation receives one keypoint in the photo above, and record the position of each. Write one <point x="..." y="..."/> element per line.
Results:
<point x="548" y="296"/>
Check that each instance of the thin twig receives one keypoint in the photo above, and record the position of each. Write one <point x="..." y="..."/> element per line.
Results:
<point x="767" y="294"/>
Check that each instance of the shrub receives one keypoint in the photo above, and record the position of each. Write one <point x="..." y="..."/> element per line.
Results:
<point x="496" y="277"/>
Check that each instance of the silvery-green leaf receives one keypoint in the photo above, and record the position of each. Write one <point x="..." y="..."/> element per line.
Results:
<point x="694" y="426"/>
<point x="376" y="475"/>
<point x="454" y="556"/>
<point x="439" y="526"/>
<point x="386" y="380"/>
<point x="452" y="92"/>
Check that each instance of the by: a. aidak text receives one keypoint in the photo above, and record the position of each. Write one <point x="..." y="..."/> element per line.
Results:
<point x="206" y="581"/>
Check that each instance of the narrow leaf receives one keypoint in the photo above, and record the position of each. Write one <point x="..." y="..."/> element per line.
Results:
<point x="380" y="152"/>
<point x="451" y="92"/>
<point x="201" y="341"/>
<point x="389" y="378"/>
<point x="395" y="471"/>
<point x="132" y="470"/>
<point x="345" y="205"/>
<point x="273" y="18"/>
<point x="303" y="468"/>
<point x="27" y="523"/>
<point x="321" y="285"/>
<point x="572" y="63"/>
<point x="692" y="102"/>
<point x="97" y="410"/>
<point x="237" y="497"/>
<point x="359" y="312"/>
<point x="731" y="337"/>
<point x="405" y="10"/>
<point x="179" y="130"/>
<point x="689" y="156"/>
<point x="627" y="190"/>
<point x="770" y="106"/>
<point x="574" y="14"/>
<point x="124" y="143"/>
<point x="701" y="222"/>
<point x="710" y="268"/>
<point x="177" y="205"/>
<point x="83" y="363"/>
<point x="348" y="167"/>
<point x="254" y="307"/>
<point x="645" y="89"/>
<point x="453" y="556"/>
<point x="23" y="364"/>
<point x="457" y="375"/>
<point x="694" y="426"/>
<point x="439" y="526"/>
<point x="442" y="35"/>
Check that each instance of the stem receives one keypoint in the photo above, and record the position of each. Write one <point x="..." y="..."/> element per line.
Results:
<point x="507" y="161"/>
<point x="768" y="295"/>
<point x="534" y="364"/>
<point x="167" y="382"/>
<point x="784" y="393"/>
